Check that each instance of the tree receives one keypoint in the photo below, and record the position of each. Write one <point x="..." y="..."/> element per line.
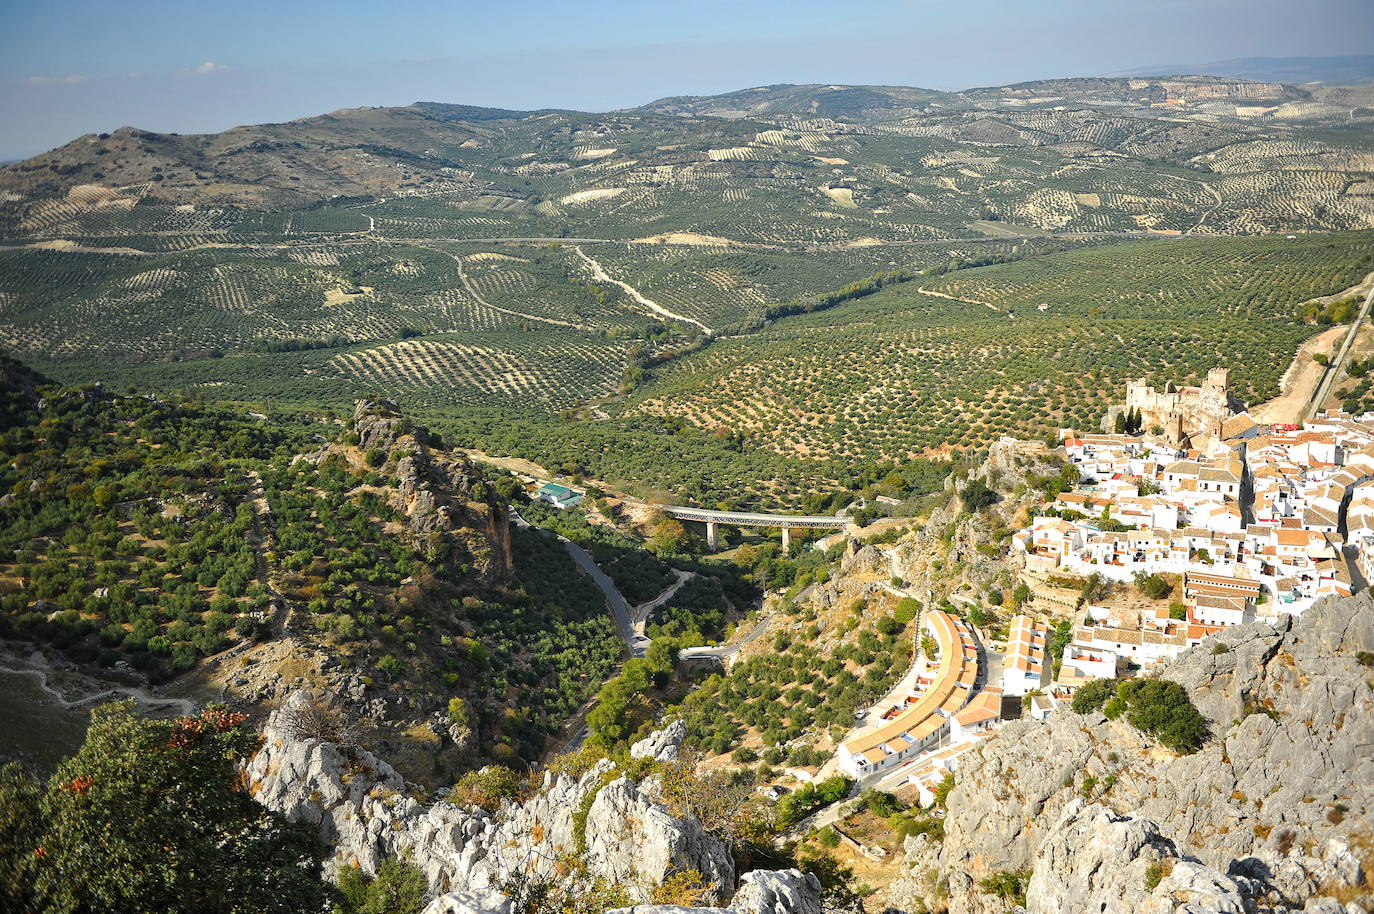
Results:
<point x="670" y="537"/>
<point x="977" y="496"/>
<point x="398" y="888"/>
<point x="1154" y="586"/>
<point x="20" y="821"/>
<point x="151" y="816"/>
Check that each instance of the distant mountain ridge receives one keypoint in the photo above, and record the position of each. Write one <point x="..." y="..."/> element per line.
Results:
<point x="1350" y="70"/>
<point x="372" y="152"/>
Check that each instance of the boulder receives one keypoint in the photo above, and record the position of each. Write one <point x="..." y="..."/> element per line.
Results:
<point x="636" y="842"/>
<point x="466" y="902"/>
<point x="664" y="745"/>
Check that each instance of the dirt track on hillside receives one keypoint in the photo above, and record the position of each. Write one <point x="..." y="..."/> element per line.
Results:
<point x="1299" y="381"/>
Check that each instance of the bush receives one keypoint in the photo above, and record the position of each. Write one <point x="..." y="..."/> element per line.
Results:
<point x="880" y="803"/>
<point x="794" y="807"/>
<point x="486" y="788"/>
<point x="1153" y="586"/>
<point x="907" y="609"/>
<point x="1155" y="873"/>
<point x="977" y="496"/>
<point x="1163" y="709"/>
<point x="398" y="888"/>
<point x="1009" y="885"/>
<point x="1092" y="696"/>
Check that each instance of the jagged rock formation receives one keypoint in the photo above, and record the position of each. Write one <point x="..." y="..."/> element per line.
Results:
<point x="925" y="562"/>
<point x="451" y="511"/>
<point x="1093" y="854"/>
<point x="1277" y="803"/>
<point x="363" y="809"/>
<point x="665" y="744"/>
<point x="633" y="840"/>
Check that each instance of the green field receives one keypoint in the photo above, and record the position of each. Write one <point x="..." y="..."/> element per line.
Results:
<point x="657" y="296"/>
<point x="903" y="373"/>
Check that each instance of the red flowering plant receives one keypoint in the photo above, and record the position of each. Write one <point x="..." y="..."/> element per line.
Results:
<point x="150" y="815"/>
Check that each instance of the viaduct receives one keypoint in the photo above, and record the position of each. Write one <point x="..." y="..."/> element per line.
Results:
<point x="712" y="519"/>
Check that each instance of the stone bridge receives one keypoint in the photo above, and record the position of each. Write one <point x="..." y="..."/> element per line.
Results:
<point x="745" y="519"/>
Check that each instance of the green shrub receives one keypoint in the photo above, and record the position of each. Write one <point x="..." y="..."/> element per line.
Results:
<point x="1008" y="885"/>
<point x="398" y="888"/>
<point x="977" y="496"/>
<point x="486" y="788"/>
<point x="1092" y="696"/>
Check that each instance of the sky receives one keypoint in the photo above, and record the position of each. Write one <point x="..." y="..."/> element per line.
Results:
<point x="69" y="67"/>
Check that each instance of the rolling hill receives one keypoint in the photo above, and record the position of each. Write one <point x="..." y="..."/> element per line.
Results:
<point x="543" y="265"/>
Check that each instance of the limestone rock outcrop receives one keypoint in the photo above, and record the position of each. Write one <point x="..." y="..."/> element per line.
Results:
<point x="664" y="745"/>
<point x="761" y="892"/>
<point x="1278" y="800"/>
<point x="778" y="892"/>
<point x="365" y="813"/>
<point x="466" y="902"/>
<point x="634" y="841"/>
<point x="1094" y="860"/>
<point x="451" y="510"/>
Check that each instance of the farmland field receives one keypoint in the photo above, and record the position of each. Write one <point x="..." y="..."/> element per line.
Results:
<point x="903" y="373"/>
<point x="701" y="275"/>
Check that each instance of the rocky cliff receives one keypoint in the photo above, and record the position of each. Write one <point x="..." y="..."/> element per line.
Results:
<point x="451" y="510"/>
<point x="1273" y="814"/>
<point x="366" y="812"/>
<point x="761" y="892"/>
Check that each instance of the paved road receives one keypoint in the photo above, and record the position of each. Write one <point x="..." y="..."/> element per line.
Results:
<point x="759" y="629"/>
<point x="640" y="614"/>
<point x="620" y="612"/>
<point x="752" y="519"/>
<point x="1338" y="363"/>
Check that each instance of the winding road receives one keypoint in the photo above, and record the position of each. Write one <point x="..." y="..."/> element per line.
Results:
<point x="600" y="275"/>
<point x="620" y="611"/>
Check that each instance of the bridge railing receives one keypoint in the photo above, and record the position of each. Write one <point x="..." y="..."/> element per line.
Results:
<point x="743" y="518"/>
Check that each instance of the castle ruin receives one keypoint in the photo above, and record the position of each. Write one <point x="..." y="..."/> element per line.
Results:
<point x="1185" y="413"/>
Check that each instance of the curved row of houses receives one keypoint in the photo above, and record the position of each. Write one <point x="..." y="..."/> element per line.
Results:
<point x="927" y="716"/>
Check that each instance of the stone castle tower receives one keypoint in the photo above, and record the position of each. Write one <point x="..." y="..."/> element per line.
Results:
<point x="1185" y="412"/>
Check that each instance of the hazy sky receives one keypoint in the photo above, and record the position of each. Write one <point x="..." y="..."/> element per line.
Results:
<point x="69" y="67"/>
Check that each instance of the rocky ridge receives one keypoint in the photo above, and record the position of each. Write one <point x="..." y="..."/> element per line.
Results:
<point x="952" y="551"/>
<point x="450" y="508"/>
<point x="365" y="811"/>
<point x="1272" y="815"/>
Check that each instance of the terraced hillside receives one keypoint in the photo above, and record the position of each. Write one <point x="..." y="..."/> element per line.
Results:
<point x="491" y="263"/>
<point x="437" y="324"/>
<point x="956" y="360"/>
